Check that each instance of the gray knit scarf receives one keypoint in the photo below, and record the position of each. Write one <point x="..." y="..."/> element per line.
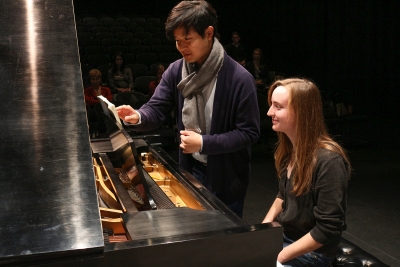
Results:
<point x="192" y="84"/>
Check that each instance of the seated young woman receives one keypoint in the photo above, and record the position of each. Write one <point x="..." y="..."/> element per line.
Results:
<point x="120" y="77"/>
<point x="313" y="173"/>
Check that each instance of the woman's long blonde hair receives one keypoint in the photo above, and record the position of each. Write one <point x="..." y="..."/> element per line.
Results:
<point x="305" y="102"/>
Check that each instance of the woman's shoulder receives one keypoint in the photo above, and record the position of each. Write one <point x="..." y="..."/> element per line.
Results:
<point x="331" y="166"/>
<point x="264" y="65"/>
<point x="325" y="155"/>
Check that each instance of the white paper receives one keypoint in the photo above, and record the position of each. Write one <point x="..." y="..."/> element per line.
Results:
<point x="112" y="109"/>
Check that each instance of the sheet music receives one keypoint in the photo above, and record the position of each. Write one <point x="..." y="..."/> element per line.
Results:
<point x="111" y="108"/>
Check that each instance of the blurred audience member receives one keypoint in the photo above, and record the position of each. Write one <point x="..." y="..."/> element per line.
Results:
<point x="93" y="107"/>
<point x="120" y="77"/>
<point x="153" y="85"/>
<point x="236" y="50"/>
<point x="258" y="69"/>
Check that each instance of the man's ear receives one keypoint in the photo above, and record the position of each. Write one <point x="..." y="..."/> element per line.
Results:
<point x="209" y="32"/>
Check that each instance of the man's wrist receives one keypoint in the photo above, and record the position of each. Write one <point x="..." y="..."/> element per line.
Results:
<point x="201" y="146"/>
<point x="140" y="118"/>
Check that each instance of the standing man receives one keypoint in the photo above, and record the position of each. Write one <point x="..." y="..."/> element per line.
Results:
<point x="215" y="101"/>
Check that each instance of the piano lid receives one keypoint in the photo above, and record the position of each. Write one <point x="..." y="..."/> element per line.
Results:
<point x="48" y="202"/>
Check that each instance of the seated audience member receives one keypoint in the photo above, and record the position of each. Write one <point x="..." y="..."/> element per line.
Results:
<point x="236" y="50"/>
<point x="153" y="85"/>
<point x="313" y="173"/>
<point x="120" y="77"/>
<point x="93" y="106"/>
<point x="258" y="69"/>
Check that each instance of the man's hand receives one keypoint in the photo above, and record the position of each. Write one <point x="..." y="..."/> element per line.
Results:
<point x="128" y="114"/>
<point x="190" y="142"/>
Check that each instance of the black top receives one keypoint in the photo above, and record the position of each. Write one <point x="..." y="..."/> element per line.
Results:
<point x="261" y="74"/>
<point x="238" y="53"/>
<point x="320" y="211"/>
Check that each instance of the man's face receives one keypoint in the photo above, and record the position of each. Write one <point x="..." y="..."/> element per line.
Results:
<point x="235" y="38"/>
<point x="192" y="46"/>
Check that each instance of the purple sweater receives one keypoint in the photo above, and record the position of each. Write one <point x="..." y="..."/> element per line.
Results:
<point x="234" y="127"/>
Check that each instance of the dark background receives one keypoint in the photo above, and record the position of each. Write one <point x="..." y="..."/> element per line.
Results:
<point x="341" y="45"/>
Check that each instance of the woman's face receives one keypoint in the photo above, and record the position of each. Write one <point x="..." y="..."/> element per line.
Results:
<point x="256" y="55"/>
<point x="282" y="115"/>
<point x="95" y="81"/>
<point x="159" y="73"/>
<point x="118" y="61"/>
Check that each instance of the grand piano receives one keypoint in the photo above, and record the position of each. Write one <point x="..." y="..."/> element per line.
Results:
<point x="67" y="200"/>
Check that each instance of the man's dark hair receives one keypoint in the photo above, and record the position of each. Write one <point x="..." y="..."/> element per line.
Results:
<point x="196" y="15"/>
<point x="235" y="33"/>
